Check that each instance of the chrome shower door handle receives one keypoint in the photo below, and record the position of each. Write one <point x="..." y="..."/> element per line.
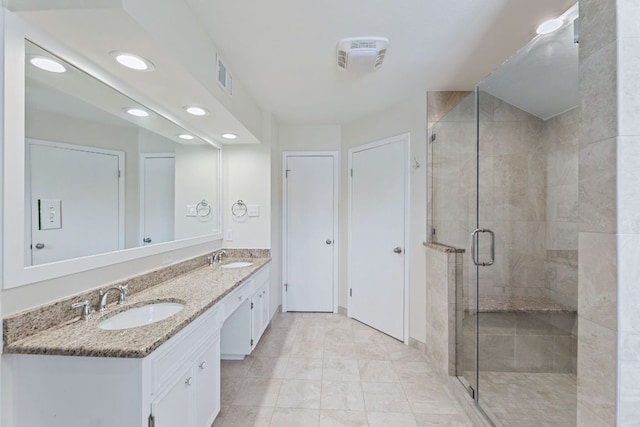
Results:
<point x="474" y="237"/>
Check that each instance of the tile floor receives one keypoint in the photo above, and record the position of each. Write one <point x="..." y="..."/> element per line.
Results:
<point x="316" y="369"/>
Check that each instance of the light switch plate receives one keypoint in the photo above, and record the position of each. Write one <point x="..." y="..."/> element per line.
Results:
<point x="50" y="215"/>
<point x="253" y="210"/>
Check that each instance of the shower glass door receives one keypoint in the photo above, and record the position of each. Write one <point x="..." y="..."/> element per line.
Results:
<point x="527" y="196"/>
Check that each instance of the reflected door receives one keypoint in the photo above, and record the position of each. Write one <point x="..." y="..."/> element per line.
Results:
<point x="157" y="198"/>
<point x="75" y="199"/>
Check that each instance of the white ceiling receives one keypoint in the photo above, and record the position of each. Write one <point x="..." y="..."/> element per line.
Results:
<point x="284" y="50"/>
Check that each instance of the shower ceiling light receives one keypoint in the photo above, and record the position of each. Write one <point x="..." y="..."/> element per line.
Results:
<point x="229" y="135"/>
<point x="185" y="136"/>
<point x="550" y="26"/>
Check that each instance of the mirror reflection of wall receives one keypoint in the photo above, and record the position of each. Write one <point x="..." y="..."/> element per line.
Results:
<point x="98" y="179"/>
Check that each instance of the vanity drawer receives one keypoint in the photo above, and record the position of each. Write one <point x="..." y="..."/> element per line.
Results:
<point x="232" y="301"/>
<point x="261" y="276"/>
<point x="171" y="356"/>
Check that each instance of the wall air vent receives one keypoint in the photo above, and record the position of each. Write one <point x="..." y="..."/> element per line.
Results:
<point x="361" y="54"/>
<point x="225" y="79"/>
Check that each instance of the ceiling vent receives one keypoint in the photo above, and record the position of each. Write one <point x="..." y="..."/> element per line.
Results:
<point x="361" y="54"/>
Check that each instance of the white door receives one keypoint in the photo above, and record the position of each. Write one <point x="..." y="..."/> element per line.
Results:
<point x="379" y="185"/>
<point x="158" y="198"/>
<point x="309" y="231"/>
<point x="75" y="198"/>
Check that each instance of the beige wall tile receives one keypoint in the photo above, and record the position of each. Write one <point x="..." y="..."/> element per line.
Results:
<point x="597" y="186"/>
<point x="598" y="86"/>
<point x="596" y="372"/>
<point x="597" y="278"/>
<point x="597" y="25"/>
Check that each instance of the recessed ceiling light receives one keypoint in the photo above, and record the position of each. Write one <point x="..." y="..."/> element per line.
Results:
<point x="550" y="26"/>
<point x="229" y="135"/>
<point x="132" y="61"/>
<point x="138" y="112"/>
<point x="195" y="110"/>
<point x="47" y="64"/>
<point x="185" y="136"/>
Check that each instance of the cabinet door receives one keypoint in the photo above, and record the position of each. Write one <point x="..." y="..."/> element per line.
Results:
<point x="174" y="407"/>
<point x="259" y="313"/>
<point x="266" y="310"/>
<point x="207" y="382"/>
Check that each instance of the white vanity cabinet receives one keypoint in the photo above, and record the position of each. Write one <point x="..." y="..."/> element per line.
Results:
<point x="176" y="385"/>
<point x="193" y="398"/>
<point x="247" y="316"/>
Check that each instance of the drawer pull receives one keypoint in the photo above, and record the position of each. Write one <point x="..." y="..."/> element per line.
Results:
<point x="203" y="365"/>
<point x="240" y="298"/>
<point x="189" y="381"/>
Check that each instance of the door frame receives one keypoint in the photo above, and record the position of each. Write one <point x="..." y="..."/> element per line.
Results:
<point x="406" y="139"/>
<point x="141" y="189"/>
<point x="63" y="145"/>
<point x="336" y="187"/>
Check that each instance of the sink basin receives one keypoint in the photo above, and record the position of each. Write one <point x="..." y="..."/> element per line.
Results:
<point x="141" y="315"/>
<point x="237" y="264"/>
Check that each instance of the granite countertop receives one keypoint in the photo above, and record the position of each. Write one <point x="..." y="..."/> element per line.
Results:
<point x="198" y="290"/>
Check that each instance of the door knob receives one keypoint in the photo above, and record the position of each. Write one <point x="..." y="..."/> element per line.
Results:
<point x="397" y="250"/>
<point x="39" y="245"/>
<point x="329" y="241"/>
<point x="147" y="240"/>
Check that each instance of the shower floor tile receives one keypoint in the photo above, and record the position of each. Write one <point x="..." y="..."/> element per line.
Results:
<point x="529" y="399"/>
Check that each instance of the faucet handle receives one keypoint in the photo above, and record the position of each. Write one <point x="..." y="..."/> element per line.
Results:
<point x="124" y="291"/>
<point x="86" y="309"/>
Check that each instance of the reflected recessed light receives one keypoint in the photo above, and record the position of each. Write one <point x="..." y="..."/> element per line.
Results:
<point x="196" y="111"/>
<point x="138" y="112"/>
<point x="185" y="136"/>
<point x="47" y="64"/>
<point x="229" y="135"/>
<point x="550" y="26"/>
<point x="132" y="61"/>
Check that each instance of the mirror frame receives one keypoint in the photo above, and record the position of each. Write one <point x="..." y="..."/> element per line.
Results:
<point x="15" y="273"/>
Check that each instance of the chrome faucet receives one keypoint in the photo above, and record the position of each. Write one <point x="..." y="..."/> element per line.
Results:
<point x="86" y="309"/>
<point x="219" y="255"/>
<point x="124" y="291"/>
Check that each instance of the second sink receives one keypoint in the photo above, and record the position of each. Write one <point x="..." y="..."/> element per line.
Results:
<point x="141" y="315"/>
<point x="237" y="264"/>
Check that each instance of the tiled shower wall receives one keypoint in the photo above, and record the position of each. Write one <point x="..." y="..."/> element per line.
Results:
<point x="561" y="258"/>
<point x="528" y="195"/>
<point x="609" y="237"/>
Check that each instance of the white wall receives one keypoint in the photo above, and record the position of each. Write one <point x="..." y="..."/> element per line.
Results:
<point x="247" y="177"/>
<point x="407" y="116"/>
<point x="310" y="138"/>
<point x="196" y="179"/>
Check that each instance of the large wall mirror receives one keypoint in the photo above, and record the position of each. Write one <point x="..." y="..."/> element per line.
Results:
<point x="106" y="178"/>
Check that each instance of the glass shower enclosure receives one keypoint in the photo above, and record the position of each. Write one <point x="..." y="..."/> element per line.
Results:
<point x="504" y="189"/>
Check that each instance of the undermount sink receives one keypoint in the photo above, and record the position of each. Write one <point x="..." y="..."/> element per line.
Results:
<point x="237" y="264"/>
<point x="141" y="315"/>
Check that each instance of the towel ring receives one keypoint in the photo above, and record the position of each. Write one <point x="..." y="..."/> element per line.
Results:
<point x="203" y="208"/>
<point x="239" y="209"/>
